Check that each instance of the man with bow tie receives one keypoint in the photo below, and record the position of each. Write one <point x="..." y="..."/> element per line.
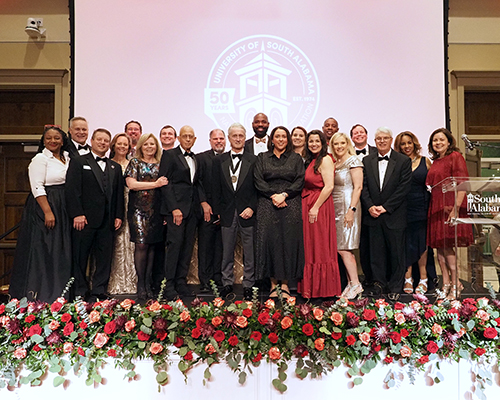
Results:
<point x="258" y="143"/>
<point x="359" y="137"/>
<point x="180" y="206"/>
<point x="387" y="181"/>
<point x="78" y="132"/>
<point x="95" y="204"/>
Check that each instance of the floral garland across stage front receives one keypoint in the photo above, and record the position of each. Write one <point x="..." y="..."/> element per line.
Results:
<point x="62" y="336"/>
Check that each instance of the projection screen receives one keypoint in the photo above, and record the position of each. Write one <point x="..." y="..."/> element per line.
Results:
<point x="211" y="63"/>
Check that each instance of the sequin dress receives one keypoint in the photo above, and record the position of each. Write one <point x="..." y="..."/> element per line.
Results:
<point x="347" y="238"/>
<point x="144" y="218"/>
<point x="123" y="279"/>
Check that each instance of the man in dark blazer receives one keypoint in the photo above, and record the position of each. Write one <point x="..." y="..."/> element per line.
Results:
<point x="387" y="180"/>
<point x="181" y="209"/>
<point x="78" y="135"/>
<point x="258" y="143"/>
<point x="359" y="137"/>
<point x="209" y="233"/>
<point x="95" y="204"/>
<point x="235" y="201"/>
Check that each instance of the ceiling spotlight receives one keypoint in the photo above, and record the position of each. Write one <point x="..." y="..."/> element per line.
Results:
<point x="34" y="28"/>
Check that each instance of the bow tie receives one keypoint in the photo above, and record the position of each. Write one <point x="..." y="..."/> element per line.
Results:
<point x="101" y="159"/>
<point x="263" y="140"/>
<point x="189" y="154"/>
<point x="358" y="152"/>
<point x="84" y="147"/>
<point x="386" y="158"/>
<point x="237" y="156"/>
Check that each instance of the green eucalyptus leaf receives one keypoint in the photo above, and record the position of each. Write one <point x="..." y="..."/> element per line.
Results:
<point x="358" y="381"/>
<point x="162" y="378"/>
<point x="242" y="377"/>
<point x="58" y="381"/>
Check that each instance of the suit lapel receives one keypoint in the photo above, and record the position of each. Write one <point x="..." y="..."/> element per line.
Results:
<point x="390" y="169"/>
<point x="226" y="165"/>
<point x="96" y="169"/>
<point x="245" y="166"/>
<point x="374" y="165"/>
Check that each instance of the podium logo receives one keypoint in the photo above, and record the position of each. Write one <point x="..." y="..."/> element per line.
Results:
<point x="485" y="205"/>
<point x="262" y="73"/>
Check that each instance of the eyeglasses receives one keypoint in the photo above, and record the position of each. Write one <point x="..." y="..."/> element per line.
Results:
<point x="383" y="139"/>
<point x="51" y="126"/>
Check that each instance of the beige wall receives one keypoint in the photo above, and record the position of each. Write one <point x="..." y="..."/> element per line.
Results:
<point x="26" y="62"/>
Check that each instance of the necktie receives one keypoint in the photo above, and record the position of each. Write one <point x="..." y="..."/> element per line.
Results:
<point x="358" y="152"/>
<point x="383" y="158"/>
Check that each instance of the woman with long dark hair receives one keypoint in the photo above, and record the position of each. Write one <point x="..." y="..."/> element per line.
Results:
<point x="42" y="263"/>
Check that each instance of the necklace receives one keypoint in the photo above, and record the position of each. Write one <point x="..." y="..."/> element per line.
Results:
<point x="414" y="159"/>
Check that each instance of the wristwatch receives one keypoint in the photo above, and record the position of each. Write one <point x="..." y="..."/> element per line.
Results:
<point x="353" y="208"/>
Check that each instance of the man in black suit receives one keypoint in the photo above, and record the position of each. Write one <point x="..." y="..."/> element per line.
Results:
<point x="235" y="201"/>
<point x="387" y="180"/>
<point x="181" y="209"/>
<point x="359" y="137"/>
<point x="78" y="132"/>
<point x="258" y="143"/>
<point x="209" y="233"/>
<point x="94" y="199"/>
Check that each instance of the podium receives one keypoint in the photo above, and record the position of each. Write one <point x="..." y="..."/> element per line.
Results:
<point x="473" y="230"/>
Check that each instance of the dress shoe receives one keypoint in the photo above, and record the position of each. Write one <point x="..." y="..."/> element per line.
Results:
<point x="184" y="290"/>
<point x="247" y="293"/>
<point x="226" y="290"/>
<point x="205" y="288"/>
<point x="393" y="296"/>
<point x="375" y="290"/>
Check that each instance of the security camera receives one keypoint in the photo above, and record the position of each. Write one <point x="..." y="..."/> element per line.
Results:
<point x="34" y="28"/>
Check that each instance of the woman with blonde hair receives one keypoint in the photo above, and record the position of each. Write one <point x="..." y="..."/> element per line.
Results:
<point x="144" y="218"/>
<point x="347" y="188"/>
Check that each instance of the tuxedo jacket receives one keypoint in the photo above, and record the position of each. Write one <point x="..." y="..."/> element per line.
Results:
<point x="180" y="193"/>
<point x="87" y="193"/>
<point x="249" y="145"/>
<point x="395" y="188"/>
<point x="204" y="163"/>
<point x="226" y="199"/>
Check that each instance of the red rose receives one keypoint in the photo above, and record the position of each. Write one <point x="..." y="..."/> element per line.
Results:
<point x="68" y="328"/>
<point x="396" y="337"/>
<point x="2" y="308"/>
<point x="404" y="332"/>
<point x="429" y="314"/>
<point x="110" y="327"/>
<point x="308" y="329"/>
<point x="423" y="359"/>
<point x="256" y="336"/>
<point x="377" y="348"/>
<point x="257" y="358"/>
<point x="200" y="322"/>
<point x="34" y="330"/>
<point x="233" y="340"/>
<point x="81" y="352"/>
<point x="83" y="325"/>
<point x="161" y="335"/>
<point x="479" y="351"/>
<point x="263" y="318"/>
<point x="369" y="315"/>
<point x="178" y="341"/>
<point x="111" y="353"/>
<point x="38" y="348"/>
<point x="247" y="312"/>
<point x="399" y="306"/>
<point x="195" y="333"/>
<point x="497" y="320"/>
<point x="142" y="336"/>
<point x="29" y="318"/>
<point x="336" y="335"/>
<point x="273" y="338"/>
<point x="277" y="316"/>
<point x="350" y="340"/>
<point x="188" y="356"/>
<point x="490" y="333"/>
<point x="432" y="347"/>
<point x="66" y="317"/>
<point x="167" y="307"/>
<point x="219" y="336"/>
<point x="453" y="311"/>
<point x="56" y="306"/>
<point x="388" y="359"/>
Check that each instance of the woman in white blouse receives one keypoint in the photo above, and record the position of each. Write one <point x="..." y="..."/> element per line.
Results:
<point x="42" y="263"/>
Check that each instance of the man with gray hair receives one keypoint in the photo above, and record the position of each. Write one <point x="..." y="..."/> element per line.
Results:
<point x="235" y="201"/>
<point x="387" y="180"/>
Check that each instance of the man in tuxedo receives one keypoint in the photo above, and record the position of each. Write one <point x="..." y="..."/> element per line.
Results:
<point x="78" y="132"/>
<point x="258" y="143"/>
<point x="133" y="129"/>
<point x="359" y="137"/>
<point x="181" y="209"/>
<point x="94" y="200"/>
<point x="387" y="180"/>
<point x="235" y="201"/>
<point x="168" y="135"/>
<point x="209" y="232"/>
<point x="330" y="128"/>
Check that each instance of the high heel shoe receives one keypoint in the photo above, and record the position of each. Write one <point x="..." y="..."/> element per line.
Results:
<point x="346" y="290"/>
<point x="455" y="292"/>
<point x="445" y="290"/>
<point x="421" y="287"/>
<point x="355" y="291"/>
<point x="408" y="287"/>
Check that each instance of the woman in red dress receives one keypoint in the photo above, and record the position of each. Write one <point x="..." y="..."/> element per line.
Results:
<point x="447" y="162"/>
<point x="321" y="270"/>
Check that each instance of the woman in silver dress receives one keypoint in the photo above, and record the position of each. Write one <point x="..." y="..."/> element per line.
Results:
<point x="123" y="279"/>
<point x="346" y="194"/>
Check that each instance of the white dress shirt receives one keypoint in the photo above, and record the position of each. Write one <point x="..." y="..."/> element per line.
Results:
<point x="236" y="173"/>
<point x="81" y="151"/>
<point x="259" y="147"/>
<point x="46" y="170"/>
<point x="382" y="168"/>
<point x="190" y="163"/>
<point x="101" y="163"/>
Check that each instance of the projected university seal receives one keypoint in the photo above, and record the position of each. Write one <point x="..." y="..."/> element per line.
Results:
<point x="262" y="73"/>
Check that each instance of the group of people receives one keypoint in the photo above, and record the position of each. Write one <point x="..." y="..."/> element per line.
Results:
<point x="302" y="203"/>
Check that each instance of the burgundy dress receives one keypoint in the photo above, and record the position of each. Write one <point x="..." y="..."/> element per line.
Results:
<point x="321" y="270"/>
<point x="439" y="234"/>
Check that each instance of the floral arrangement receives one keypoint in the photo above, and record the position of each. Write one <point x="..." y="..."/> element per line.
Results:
<point x="78" y="336"/>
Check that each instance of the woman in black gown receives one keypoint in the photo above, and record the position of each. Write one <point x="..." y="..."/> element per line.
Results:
<point x="279" y="245"/>
<point x="42" y="263"/>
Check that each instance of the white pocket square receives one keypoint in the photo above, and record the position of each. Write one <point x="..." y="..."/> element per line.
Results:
<point x="86" y="167"/>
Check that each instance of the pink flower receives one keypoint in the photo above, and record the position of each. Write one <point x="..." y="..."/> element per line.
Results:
<point x="100" y="340"/>
<point x="94" y="316"/>
<point x="437" y="329"/>
<point x="156" y="348"/>
<point x="20" y="353"/>
<point x="365" y="338"/>
<point x="274" y="353"/>
<point x="216" y="321"/>
<point x="241" y="321"/>
<point x="482" y="315"/>
<point x="269" y="303"/>
<point x="218" y="302"/>
<point x="210" y="349"/>
<point x="318" y="313"/>
<point x="336" y="318"/>
<point x="185" y="316"/>
<point x="130" y="325"/>
<point x="405" y="351"/>
<point x="291" y="301"/>
<point x="155" y="306"/>
<point x="400" y="318"/>
<point x="53" y="325"/>
<point x="68" y="347"/>
<point x="319" y="344"/>
<point x="126" y="304"/>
